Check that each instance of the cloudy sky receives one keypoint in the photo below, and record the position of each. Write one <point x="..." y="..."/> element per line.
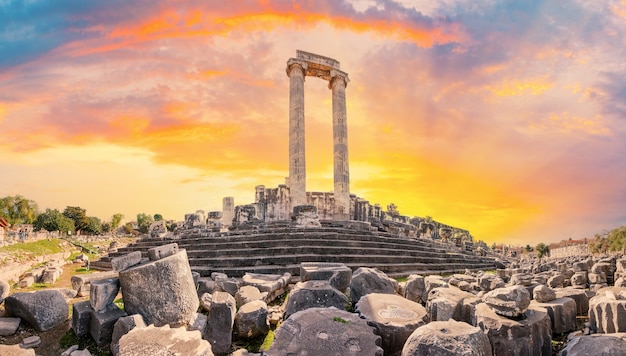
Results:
<point x="503" y="117"/>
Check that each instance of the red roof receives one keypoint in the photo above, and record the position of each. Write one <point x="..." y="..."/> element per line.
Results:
<point x="3" y="222"/>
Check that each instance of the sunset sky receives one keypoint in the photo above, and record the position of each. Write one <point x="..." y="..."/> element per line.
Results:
<point x="506" y="118"/>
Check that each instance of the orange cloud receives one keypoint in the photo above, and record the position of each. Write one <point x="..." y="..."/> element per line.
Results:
<point x="520" y="87"/>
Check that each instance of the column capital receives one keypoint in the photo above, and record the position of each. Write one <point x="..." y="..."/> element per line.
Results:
<point x="294" y="61"/>
<point x="338" y="75"/>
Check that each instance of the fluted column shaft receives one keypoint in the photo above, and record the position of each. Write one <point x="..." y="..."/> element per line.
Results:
<point x="297" y="163"/>
<point x="338" y="85"/>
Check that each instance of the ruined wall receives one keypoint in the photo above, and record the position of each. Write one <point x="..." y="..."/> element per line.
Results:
<point x="572" y="250"/>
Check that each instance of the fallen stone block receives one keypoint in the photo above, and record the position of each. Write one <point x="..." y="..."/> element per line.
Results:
<point x="607" y="310"/>
<point x="556" y="281"/>
<point x="8" y="326"/>
<point x="228" y="285"/>
<point x="578" y="295"/>
<point x="543" y="294"/>
<point x="205" y="285"/>
<point x="198" y="322"/>
<point x="220" y="323"/>
<point x="30" y="342"/>
<point x="414" y="289"/>
<point x="314" y="294"/>
<point x="163" y="340"/>
<point x="81" y="317"/>
<point x="101" y="323"/>
<point x="122" y="326"/>
<point x="597" y="345"/>
<point x="447" y="338"/>
<point x="393" y="316"/>
<point x="562" y="314"/>
<point x="42" y="309"/>
<point x="15" y="350"/>
<point x="121" y="263"/>
<point x="325" y="331"/>
<point x="451" y="303"/>
<point x="247" y="294"/>
<point x="159" y="252"/>
<point x="162" y="291"/>
<point x="102" y="293"/>
<point x="273" y="284"/>
<point x="81" y="282"/>
<point x="367" y="280"/>
<point x="26" y="282"/>
<point x="251" y="319"/>
<point x="509" y="301"/>
<point x="338" y="274"/>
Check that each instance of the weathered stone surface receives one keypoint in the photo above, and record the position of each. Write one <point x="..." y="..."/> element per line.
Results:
<point x="579" y="279"/>
<point x="273" y="284"/>
<point x="163" y="340"/>
<point x="338" y="274"/>
<point x="432" y="282"/>
<point x="81" y="317"/>
<point x="81" y="282"/>
<point x="205" y="285"/>
<point x="251" y="319"/>
<point x="447" y="338"/>
<point x="578" y="295"/>
<point x="15" y="350"/>
<point x="556" y="281"/>
<point x="489" y="282"/>
<point x="5" y="289"/>
<point x="305" y="217"/>
<point x="521" y="279"/>
<point x="325" y="331"/>
<point x="393" y="316"/>
<point x="580" y="266"/>
<point x="451" y="303"/>
<point x="25" y="282"/>
<point x="50" y="275"/>
<point x="205" y="301"/>
<point x="596" y="278"/>
<point x="607" y="310"/>
<point x="247" y="294"/>
<point x="162" y="291"/>
<point x="228" y="285"/>
<point x="367" y="280"/>
<point x="531" y="335"/>
<point x="314" y="294"/>
<point x="620" y="282"/>
<point x="220" y="323"/>
<point x="8" y="326"/>
<point x="121" y="327"/>
<point x="198" y="322"/>
<point x="101" y="323"/>
<point x="562" y="314"/>
<point x="415" y="289"/>
<point x="102" y="293"/>
<point x="509" y="301"/>
<point x="121" y="263"/>
<point x="159" y="252"/>
<point x="597" y="345"/>
<point x="543" y="294"/>
<point x="42" y="309"/>
<point x="31" y="341"/>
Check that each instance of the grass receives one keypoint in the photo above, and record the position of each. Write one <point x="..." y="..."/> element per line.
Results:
<point x="341" y="320"/>
<point x="400" y="279"/>
<point x="70" y="338"/>
<point x="40" y="247"/>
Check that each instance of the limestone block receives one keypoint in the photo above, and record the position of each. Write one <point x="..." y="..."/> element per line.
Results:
<point x="580" y="266"/>
<point x="251" y="320"/>
<point x="367" y="280"/>
<point x="509" y="301"/>
<point x="42" y="309"/>
<point x="522" y="279"/>
<point x="198" y="322"/>
<point x="579" y="279"/>
<point x="15" y="350"/>
<point x="597" y="345"/>
<point x="25" y="282"/>
<point x="338" y="274"/>
<point x="205" y="301"/>
<point x="5" y="289"/>
<point x="394" y="318"/>
<point x="596" y="278"/>
<point x="247" y="294"/>
<point x="8" y="326"/>
<point x="205" y="285"/>
<point x="128" y="260"/>
<point x="447" y="338"/>
<point x="314" y="294"/>
<point x="162" y="291"/>
<point x="81" y="317"/>
<point x="159" y="252"/>
<point x="531" y="335"/>
<point x="101" y="323"/>
<point x="102" y="293"/>
<point x="220" y="323"/>
<point x="489" y="282"/>
<point x="81" y="283"/>
<point x="543" y="294"/>
<point x="84" y="352"/>
<point x="432" y="282"/>
<point x="30" y="342"/>
<point x="414" y="288"/>
<point x="556" y="281"/>
<point x="620" y="282"/>
<point x="50" y="275"/>
<point x="607" y="310"/>
<point x="562" y="314"/>
<point x="578" y="295"/>
<point x="273" y="284"/>
<point x="196" y="278"/>
<point x="451" y="303"/>
<point x="163" y="340"/>
<point x="601" y="267"/>
<point x="596" y="287"/>
<point x="228" y="285"/>
<point x="122" y="327"/>
<point x="325" y="331"/>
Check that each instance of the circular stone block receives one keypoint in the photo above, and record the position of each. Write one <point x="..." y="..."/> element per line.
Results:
<point x="393" y="316"/>
<point x="325" y="331"/>
<point x="447" y="338"/>
<point x="314" y="294"/>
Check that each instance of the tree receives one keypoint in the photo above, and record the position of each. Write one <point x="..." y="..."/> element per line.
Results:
<point x="128" y="228"/>
<point x="158" y="217"/>
<point x="143" y="222"/>
<point x="18" y="210"/>
<point x="81" y="221"/>
<point x="116" y="220"/>
<point x="542" y="250"/>
<point x="53" y="220"/>
<point x="528" y="248"/>
<point x="94" y="226"/>
<point x="616" y="239"/>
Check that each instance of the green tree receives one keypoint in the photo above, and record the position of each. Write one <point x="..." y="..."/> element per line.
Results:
<point x="128" y="228"/>
<point x="528" y="248"/>
<point x="143" y="222"/>
<point x="94" y="226"/>
<point x="158" y="217"/>
<point x="53" y="220"/>
<point x="79" y="215"/>
<point x="116" y="220"/>
<point x="106" y="227"/>
<point x="616" y="239"/>
<point x="542" y="250"/>
<point x="18" y="210"/>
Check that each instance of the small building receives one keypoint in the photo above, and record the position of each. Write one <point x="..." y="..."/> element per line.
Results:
<point x="4" y="225"/>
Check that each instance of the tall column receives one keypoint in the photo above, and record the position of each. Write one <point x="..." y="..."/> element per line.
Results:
<point x="296" y="71"/>
<point x="338" y="82"/>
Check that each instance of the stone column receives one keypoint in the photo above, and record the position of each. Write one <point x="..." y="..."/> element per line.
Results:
<point x="338" y="82"/>
<point x="296" y="70"/>
<point x="228" y="211"/>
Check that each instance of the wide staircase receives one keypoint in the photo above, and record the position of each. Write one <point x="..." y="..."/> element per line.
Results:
<point x="282" y="249"/>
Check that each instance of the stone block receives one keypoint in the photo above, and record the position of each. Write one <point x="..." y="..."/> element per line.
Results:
<point x="229" y="285"/>
<point x="580" y="266"/>
<point x="451" y="303"/>
<point x="43" y="309"/>
<point x="101" y="323"/>
<point x="597" y="345"/>
<point x="247" y="294"/>
<point x="81" y="282"/>
<point x="273" y="284"/>
<point x="102" y="293"/>
<point x="447" y="338"/>
<point x="81" y="317"/>
<point x="205" y="285"/>
<point x="162" y="291"/>
<point x="128" y="260"/>
<point x="579" y="279"/>
<point x="314" y="294"/>
<point x="394" y="318"/>
<point x="30" y="342"/>
<point x="251" y="320"/>
<point x="509" y="301"/>
<point x="220" y="322"/>
<point x="205" y="301"/>
<point x="122" y="326"/>
<point x="543" y="294"/>
<point x="198" y="322"/>
<point x="26" y="282"/>
<point x="159" y="252"/>
<point x="367" y="280"/>
<point x="578" y="295"/>
<point x="163" y="340"/>
<point x="562" y="314"/>
<point x="50" y="275"/>
<point x="556" y="281"/>
<point x="596" y="278"/>
<point x="607" y="310"/>
<point x="325" y="331"/>
<point x="8" y="326"/>
<point x="338" y="274"/>
<point x="15" y="350"/>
